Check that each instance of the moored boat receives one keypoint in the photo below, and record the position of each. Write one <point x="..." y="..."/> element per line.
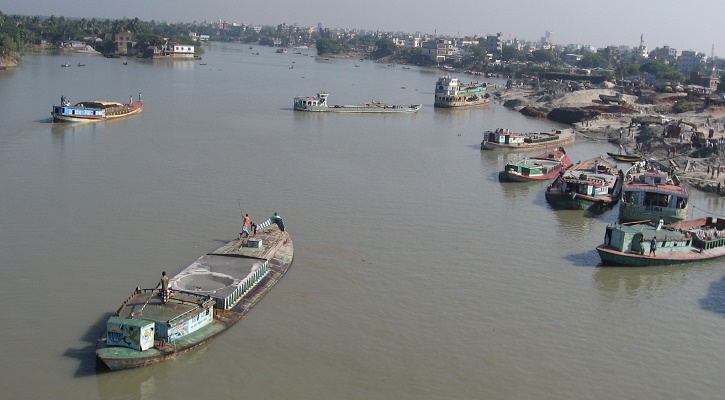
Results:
<point x="631" y="244"/>
<point x="505" y="139"/>
<point x="594" y="184"/>
<point x="94" y="111"/>
<point x="449" y="92"/>
<point x="542" y="167"/>
<point x="626" y="157"/>
<point x="319" y="104"/>
<point x="651" y="191"/>
<point x="205" y="299"/>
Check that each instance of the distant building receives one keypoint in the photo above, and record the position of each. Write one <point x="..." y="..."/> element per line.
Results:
<point x="665" y="54"/>
<point x="572" y="59"/>
<point x="172" y="50"/>
<point x="122" y="42"/>
<point x="494" y="44"/>
<point x="691" y="61"/>
<point x="709" y="81"/>
<point x="413" y="42"/>
<point x="437" y="50"/>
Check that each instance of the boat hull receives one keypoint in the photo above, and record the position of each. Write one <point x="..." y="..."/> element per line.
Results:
<point x="566" y="136"/>
<point x="461" y="104"/>
<point x="611" y="256"/>
<point x="510" y="176"/>
<point x="362" y="109"/>
<point x="625" y="157"/>
<point x="632" y="212"/>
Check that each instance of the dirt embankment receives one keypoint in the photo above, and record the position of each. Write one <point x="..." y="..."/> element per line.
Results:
<point x="8" y="62"/>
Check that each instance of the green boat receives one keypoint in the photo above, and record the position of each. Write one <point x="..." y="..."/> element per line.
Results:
<point x="652" y="191"/>
<point x="630" y="244"/>
<point x="205" y="299"/>
<point x="594" y="184"/>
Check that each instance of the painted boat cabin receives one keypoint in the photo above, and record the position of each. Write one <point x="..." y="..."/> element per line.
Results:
<point x="637" y="238"/>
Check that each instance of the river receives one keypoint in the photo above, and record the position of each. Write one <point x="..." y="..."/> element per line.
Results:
<point x="417" y="275"/>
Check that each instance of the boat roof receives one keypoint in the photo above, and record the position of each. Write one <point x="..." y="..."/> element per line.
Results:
<point x="649" y="230"/>
<point x="532" y="163"/>
<point x="98" y="104"/>
<point x="664" y="189"/>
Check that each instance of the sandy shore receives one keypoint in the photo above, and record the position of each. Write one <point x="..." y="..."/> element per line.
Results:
<point x="701" y="167"/>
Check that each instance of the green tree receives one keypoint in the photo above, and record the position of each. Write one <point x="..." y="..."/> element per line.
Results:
<point x="384" y="48"/>
<point x="627" y="69"/>
<point x="542" y="56"/>
<point x="328" y="46"/>
<point x="510" y="53"/>
<point x="593" y="60"/>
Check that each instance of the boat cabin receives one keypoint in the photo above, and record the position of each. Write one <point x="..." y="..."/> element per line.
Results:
<point x="637" y="238"/>
<point x="504" y="136"/>
<point x="306" y="101"/>
<point x="76" y="111"/>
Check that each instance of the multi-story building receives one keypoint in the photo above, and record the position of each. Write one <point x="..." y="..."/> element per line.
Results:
<point x="691" y="61"/>
<point x="494" y="44"/>
<point x="122" y="42"/>
<point x="437" y="50"/>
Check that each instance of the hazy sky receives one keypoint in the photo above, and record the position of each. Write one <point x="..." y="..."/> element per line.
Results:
<point x="685" y="25"/>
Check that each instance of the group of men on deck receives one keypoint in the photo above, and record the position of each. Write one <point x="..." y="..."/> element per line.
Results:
<point x="246" y="222"/>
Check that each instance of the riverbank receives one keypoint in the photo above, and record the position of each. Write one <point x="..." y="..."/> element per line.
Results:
<point x="702" y="167"/>
<point x="8" y="62"/>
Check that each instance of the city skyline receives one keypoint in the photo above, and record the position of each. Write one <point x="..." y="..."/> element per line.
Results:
<point x="614" y="23"/>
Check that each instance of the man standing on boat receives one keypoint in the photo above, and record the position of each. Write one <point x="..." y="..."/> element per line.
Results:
<point x="245" y="226"/>
<point x="653" y="247"/>
<point x="164" y="284"/>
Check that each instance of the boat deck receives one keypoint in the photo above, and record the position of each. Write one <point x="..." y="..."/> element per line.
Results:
<point x="147" y="305"/>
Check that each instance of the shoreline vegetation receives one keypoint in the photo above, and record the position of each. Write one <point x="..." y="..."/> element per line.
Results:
<point x="700" y="166"/>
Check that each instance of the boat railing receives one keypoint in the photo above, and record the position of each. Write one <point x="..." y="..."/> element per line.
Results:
<point x="182" y="316"/>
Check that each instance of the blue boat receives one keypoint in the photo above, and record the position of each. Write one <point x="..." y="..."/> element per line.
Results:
<point x="94" y="111"/>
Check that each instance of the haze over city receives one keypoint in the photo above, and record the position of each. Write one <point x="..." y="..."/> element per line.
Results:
<point x="693" y="25"/>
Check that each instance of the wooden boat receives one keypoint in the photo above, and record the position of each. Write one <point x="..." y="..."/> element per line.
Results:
<point x="81" y="65"/>
<point x="629" y="244"/>
<point x="542" y="167"/>
<point x="626" y="157"/>
<point x="593" y="184"/>
<point x="207" y="298"/>
<point x="65" y="65"/>
<point x="94" y="111"/>
<point x="651" y="191"/>
<point x="449" y="92"/>
<point x="319" y="104"/>
<point x="505" y="139"/>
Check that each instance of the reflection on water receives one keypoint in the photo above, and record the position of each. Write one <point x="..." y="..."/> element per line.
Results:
<point x="616" y="283"/>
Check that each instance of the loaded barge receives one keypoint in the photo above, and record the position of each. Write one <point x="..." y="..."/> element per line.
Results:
<point x="202" y="301"/>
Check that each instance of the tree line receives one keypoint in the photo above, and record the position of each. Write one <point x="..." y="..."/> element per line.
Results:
<point x="23" y="34"/>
